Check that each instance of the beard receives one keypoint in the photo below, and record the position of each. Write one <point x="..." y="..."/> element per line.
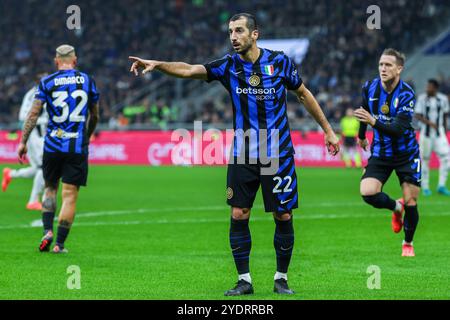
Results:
<point x="244" y="48"/>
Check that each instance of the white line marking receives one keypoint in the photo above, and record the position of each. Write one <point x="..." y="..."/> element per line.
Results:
<point x="301" y="215"/>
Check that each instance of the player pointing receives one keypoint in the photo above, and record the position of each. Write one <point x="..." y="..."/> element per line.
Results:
<point x="72" y="105"/>
<point x="257" y="80"/>
<point x="388" y="106"/>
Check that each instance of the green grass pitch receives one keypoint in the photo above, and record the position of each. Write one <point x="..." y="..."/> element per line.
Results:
<point x="162" y="233"/>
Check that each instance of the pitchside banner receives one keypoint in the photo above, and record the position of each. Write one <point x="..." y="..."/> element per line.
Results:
<point x="182" y="147"/>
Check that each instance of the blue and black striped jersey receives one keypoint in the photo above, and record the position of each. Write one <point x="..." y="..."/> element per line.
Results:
<point x="258" y="93"/>
<point x="385" y="108"/>
<point x="68" y="94"/>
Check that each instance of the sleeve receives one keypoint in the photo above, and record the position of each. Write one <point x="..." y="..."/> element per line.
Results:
<point x="397" y="128"/>
<point x="420" y="105"/>
<point x="216" y="69"/>
<point x="293" y="80"/>
<point x="27" y="102"/>
<point x="406" y="102"/>
<point x="403" y="119"/>
<point x="446" y="105"/>
<point x="364" y="96"/>
<point x="365" y="105"/>
<point x="94" y="95"/>
<point x="41" y="93"/>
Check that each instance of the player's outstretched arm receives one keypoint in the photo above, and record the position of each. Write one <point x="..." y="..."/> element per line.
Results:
<point x="175" y="69"/>
<point x="28" y="126"/>
<point x="312" y="106"/>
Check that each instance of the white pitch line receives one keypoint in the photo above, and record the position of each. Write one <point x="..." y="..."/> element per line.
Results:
<point x="38" y="222"/>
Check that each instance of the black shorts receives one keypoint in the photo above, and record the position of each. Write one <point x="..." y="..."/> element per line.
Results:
<point x="279" y="190"/>
<point x="349" y="142"/>
<point x="407" y="168"/>
<point x="72" y="168"/>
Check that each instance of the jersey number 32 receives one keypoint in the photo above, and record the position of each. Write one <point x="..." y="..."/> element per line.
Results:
<point x="60" y="101"/>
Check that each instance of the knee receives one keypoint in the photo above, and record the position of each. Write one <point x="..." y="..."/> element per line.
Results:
<point x="366" y="191"/>
<point x="286" y="216"/>
<point x="410" y="201"/>
<point x="240" y="213"/>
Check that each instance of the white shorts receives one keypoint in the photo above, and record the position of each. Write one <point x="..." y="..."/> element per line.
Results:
<point x="35" y="147"/>
<point x="437" y="144"/>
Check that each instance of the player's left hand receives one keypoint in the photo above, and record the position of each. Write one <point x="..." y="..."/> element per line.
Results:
<point x="332" y="143"/>
<point x="21" y="152"/>
<point x="363" y="116"/>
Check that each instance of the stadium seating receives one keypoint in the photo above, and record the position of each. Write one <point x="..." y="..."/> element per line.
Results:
<point x="340" y="56"/>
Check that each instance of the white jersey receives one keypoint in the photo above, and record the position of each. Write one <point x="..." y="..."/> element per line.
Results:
<point x="433" y="108"/>
<point x="25" y="108"/>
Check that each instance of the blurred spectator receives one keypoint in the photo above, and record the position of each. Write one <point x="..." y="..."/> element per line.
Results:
<point x="342" y="54"/>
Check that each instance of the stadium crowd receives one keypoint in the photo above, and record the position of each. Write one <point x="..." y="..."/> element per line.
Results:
<point x="342" y="50"/>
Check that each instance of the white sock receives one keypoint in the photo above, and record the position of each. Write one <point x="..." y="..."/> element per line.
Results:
<point x="280" y="275"/>
<point x="28" y="172"/>
<point x="246" y="277"/>
<point x="425" y="184"/>
<point x="38" y="187"/>
<point x="398" y="206"/>
<point x="410" y="243"/>
<point x="443" y="170"/>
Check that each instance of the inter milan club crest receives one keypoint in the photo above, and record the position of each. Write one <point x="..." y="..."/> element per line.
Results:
<point x="385" y="109"/>
<point x="254" y="80"/>
<point x="229" y="193"/>
<point x="269" y="70"/>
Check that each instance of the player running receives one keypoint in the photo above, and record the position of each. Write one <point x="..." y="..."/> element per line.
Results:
<point x="388" y="106"/>
<point x="257" y="80"/>
<point x="71" y="100"/>
<point x="35" y="148"/>
<point x="432" y="110"/>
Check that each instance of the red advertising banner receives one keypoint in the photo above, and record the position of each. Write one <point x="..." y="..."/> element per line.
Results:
<point x="182" y="147"/>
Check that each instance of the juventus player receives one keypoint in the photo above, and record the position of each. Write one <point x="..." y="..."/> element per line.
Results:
<point x="35" y="147"/>
<point x="431" y="110"/>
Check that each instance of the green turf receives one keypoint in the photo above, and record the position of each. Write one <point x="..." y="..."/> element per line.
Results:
<point x="162" y="233"/>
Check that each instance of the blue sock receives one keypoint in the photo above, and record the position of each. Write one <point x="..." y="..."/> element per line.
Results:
<point x="283" y="242"/>
<point x="241" y="244"/>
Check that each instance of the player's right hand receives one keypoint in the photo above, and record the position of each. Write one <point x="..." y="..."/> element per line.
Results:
<point x="332" y="143"/>
<point x="363" y="143"/>
<point x="21" y="152"/>
<point x="147" y="65"/>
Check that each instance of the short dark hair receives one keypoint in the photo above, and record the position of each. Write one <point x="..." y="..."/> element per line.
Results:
<point x="434" y="82"/>
<point x="399" y="56"/>
<point x="251" y="20"/>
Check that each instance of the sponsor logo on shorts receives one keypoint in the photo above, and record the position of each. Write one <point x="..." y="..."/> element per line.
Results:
<point x="285" y="201"/>
<point x="229" y="193"/>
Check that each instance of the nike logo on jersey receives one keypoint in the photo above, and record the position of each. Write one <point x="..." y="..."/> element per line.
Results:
<point x="373" y="99"/>
<point x="285" y="201"/>
<point x="236" y="73"/>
